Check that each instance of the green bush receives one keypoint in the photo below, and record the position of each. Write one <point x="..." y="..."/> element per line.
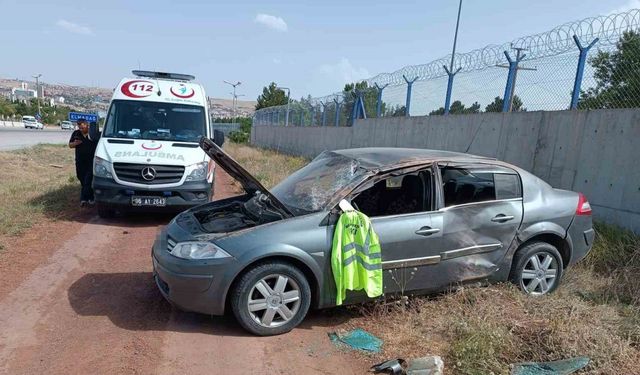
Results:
<point x="239" y="137"/>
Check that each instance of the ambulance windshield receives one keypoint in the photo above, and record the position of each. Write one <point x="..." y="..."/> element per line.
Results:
<point x="152" y="120"/>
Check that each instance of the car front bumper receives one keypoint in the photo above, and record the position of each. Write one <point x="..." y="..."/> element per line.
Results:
<point x="192" y="285"/>
<point x="187" y="195"/>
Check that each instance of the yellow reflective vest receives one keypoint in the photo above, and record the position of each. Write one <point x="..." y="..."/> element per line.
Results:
<point x="356" y="260"/>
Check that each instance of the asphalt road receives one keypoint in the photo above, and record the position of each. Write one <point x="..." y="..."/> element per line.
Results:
<point x="15" y="138"/>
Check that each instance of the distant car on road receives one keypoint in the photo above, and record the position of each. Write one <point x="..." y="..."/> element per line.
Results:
<point x="30" y="122"/>
<point x="67" y="125"/>
<point x="442" y="218"/>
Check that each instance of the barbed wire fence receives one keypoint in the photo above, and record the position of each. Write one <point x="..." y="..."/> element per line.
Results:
<point x="585" y="64"/>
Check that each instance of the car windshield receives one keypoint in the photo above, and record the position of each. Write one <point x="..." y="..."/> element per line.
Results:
<point x="152" y="120"/>
<point x="312" y="187"/>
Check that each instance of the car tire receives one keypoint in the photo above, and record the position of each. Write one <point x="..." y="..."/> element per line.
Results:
<point x="270" y="313"/>
<point x="105" y="211"/>
<point x="537" y="268"/>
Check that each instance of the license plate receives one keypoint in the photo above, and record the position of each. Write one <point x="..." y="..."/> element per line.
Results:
<point x="148" y="201"/>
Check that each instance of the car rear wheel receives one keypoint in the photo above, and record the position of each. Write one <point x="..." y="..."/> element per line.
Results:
<point x="537" y="268"/>
<point x="271" y="299"/>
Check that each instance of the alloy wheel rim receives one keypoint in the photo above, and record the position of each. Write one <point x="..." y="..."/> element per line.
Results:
<point x="539" y="273"/>
<point x="274" y="300"/>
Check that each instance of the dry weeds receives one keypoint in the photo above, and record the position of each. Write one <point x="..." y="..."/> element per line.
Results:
<point x="269" y="167"/>
<point x="31" y="188"/>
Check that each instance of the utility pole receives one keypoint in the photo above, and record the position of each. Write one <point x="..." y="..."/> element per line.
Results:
<point x="234" y="96"/>
<point x="37" y="77"/>
<point x="450" y="72"/>
<point x="519" y="56"/>
<point x="235" y="101"/>
<point x="286" y="115"/>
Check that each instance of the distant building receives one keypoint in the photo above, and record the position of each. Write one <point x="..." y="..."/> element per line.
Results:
<point x="22" y="95"/>
<point x="61" y="99"/>
<point x="52" y="102"/>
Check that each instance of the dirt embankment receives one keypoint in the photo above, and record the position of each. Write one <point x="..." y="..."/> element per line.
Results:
<point x="77" y="297"/>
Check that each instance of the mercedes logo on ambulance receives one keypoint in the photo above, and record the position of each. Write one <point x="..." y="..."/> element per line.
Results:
<point x="148" y="173"/>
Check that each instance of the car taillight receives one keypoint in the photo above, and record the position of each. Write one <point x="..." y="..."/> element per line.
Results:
<point x="584" y="208"/>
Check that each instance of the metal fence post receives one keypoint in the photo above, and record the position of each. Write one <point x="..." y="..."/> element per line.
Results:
<point x="324" y="113"/>
<point x="358" y="110"/>
<point x="575" y="97"/>
<point x="313" y="115"/>
<point x="337" y="120"/>
<point x="379" y="101"/>
<point x="447" y="101"/>
<point x="354" y="110"/>
<point x="513" y="68"/>
<point x="407" y="105"/>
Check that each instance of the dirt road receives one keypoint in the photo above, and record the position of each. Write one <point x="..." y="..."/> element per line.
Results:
<point x="78" y="298"/>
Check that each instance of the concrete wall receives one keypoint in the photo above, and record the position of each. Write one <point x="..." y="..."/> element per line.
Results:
<point x="11" y="124"/>
<point x="594" y="152"/>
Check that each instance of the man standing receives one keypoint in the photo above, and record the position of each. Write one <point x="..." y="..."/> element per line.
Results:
<point x="85" y="148"/>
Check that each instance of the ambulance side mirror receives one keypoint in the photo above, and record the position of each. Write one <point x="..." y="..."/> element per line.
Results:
<point x="218" y="137"/>
<point x="94" y="131"/>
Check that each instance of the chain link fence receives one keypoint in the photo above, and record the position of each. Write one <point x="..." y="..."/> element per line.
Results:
<point x="598" y="58"/>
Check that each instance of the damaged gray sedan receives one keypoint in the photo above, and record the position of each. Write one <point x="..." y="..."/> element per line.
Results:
<point x="443" y="219"/>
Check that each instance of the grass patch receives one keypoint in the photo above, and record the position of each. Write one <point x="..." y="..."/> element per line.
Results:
<point x="269" y="167"/>
<point x="31" y="188"/>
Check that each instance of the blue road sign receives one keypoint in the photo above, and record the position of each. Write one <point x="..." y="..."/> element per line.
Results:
<point x="90" y="117"/>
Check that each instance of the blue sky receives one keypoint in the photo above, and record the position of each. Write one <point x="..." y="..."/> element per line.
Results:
<point x="314" y="47"/>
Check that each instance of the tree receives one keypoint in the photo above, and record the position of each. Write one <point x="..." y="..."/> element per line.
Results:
<point x="457" y="108"/>
<point x="616" y="75"/>
<point x="271" y="96"/>
<point x="496" y="105"/>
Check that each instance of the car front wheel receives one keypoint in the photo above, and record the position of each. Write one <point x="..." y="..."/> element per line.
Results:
<point x="271" y="299"/>
<point x="537" y="268"/>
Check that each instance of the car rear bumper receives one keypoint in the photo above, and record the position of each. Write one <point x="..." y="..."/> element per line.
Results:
<point x="188" y="195"/>
<point x="581" y="234"/>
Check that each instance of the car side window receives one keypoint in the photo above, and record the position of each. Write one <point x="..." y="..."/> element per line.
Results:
<point x="466" y="185"/>
<point x="507" y="186"/>
<point x="481" y="184"/>
<point x="397" y="195"/>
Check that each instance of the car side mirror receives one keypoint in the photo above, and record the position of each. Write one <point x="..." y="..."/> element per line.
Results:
<point x="218" y="137"/>
<point x="94" y="132"/>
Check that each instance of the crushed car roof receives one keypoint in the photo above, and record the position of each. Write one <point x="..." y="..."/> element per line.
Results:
<point x="381" y="157"/>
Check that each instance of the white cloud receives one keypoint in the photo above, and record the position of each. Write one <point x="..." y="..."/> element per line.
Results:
<point x="74" y="27"/>
<point x="345" y="71"/>
<point x="631" y="4"/>
<point x="276" y="60"/>
<point x="272" y="22"/>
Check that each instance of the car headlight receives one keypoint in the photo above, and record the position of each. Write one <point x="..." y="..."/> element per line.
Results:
<point x="198" y="250"/>
<point x="197" y="172"/>
<point x="102" y="168"/>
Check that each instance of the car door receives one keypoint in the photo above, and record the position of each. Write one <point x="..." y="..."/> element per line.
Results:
<point x="409" y="241"/>
<point x="481" y="207"/>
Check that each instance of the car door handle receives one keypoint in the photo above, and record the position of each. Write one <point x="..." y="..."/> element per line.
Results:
<point x="502" y="218"/>
<point x="427" y="231"/>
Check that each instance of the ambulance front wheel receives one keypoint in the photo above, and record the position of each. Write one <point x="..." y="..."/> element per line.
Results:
<point x="271" y="298"/>
<point x="105" y="211"/>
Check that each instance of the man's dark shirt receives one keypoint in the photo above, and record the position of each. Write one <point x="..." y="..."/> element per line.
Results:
<point x="85" y="150"/>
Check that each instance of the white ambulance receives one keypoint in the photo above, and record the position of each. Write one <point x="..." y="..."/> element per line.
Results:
<point x="148" y="157"/>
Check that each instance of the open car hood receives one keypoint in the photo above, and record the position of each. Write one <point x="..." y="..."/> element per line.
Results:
<point x="249" y="183"/>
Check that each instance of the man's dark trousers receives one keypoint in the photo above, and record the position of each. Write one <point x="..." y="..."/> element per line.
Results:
<point x="84" y="172"/>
